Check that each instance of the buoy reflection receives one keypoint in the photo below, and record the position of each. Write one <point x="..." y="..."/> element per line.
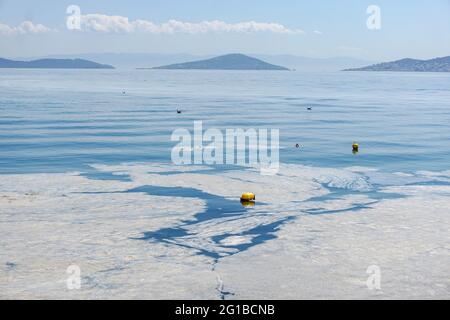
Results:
<point x="247" y="204"/>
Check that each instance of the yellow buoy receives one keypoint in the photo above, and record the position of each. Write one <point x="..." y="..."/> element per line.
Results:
<point x="355" y="147"/>
<point x="248" y="196"/>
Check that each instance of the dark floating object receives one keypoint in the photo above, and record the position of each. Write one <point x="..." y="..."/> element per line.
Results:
<point x="123" y="92"/>
<point x="178" y="111"/>
<point x="297" y="145"/>
<point x="355" y="147"/>
<point x="309" y="108"/>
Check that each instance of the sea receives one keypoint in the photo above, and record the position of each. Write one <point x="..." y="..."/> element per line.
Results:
<point x="65" y="120"/>
<point x="103" y="139"/>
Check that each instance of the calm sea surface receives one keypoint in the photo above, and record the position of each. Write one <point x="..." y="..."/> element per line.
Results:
<point x="65" y="120"/>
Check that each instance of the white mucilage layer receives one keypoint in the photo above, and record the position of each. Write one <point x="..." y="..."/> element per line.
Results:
<point x="51" y="221"/>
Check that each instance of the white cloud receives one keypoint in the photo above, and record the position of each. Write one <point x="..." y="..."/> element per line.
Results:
<point x="318" y="32"/>
<point x="119" y="24"/>
<point x="26" y="27"/>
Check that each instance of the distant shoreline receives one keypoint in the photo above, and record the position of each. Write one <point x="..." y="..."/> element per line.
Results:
<point x="156" y="69"/>
<point x="53" y="64"/>
<point x="409" y="65"/>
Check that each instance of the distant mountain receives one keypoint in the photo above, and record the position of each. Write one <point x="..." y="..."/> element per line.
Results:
<point x="53" y="64"/>
<point x="410" y="65"/>
<point x="149" y="60"/>
<point x="235" y="61"/>
<point x="129" y="60"/>
<point x="308" y="64"/>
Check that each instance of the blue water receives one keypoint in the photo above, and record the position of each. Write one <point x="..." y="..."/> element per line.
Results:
<point x="65" y="120"/>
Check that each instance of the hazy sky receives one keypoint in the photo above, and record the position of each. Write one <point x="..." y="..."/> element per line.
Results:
<point x="326" y="28"/>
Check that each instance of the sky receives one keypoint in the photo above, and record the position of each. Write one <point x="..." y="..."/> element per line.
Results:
<point x="319" y="29"/>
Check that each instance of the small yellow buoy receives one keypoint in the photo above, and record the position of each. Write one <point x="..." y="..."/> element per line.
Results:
<point x="355" y="147"/>
<point x="248" y="196"/>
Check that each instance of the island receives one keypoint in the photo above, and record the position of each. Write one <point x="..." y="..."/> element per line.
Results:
<point x="410" y="65"/>
<point x="53" y="64"/>
<point x="235" y="61"/>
